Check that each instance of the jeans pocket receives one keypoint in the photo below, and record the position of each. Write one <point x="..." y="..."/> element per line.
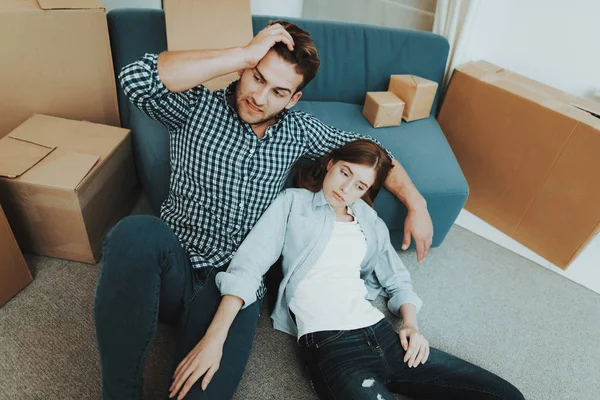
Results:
<point x="323" y="338"/>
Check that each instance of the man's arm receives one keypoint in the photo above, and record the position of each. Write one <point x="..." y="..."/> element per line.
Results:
<point x="418" y="221"/>
<point x="321" y="138"/>
<point x="166" y="87"/>
<point x="183" y="70"/>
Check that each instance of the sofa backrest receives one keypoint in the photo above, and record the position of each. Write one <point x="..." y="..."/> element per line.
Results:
<point x="355" y="58"/>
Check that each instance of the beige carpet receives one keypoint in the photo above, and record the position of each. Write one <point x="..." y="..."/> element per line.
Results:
<point x="483" y="303"/>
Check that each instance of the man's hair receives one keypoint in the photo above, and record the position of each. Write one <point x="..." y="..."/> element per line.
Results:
<point x="359" y="151"/>
<point x="304" y="56"/>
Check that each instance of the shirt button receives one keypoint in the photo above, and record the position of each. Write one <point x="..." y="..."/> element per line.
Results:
<point x="241" y="205"/>
<point x="251" y="151"/>
<point x="237" y="227"/>
<point x="245" y="178"/>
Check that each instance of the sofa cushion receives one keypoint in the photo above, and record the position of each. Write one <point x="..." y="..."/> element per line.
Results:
<point x="420" y="147"/>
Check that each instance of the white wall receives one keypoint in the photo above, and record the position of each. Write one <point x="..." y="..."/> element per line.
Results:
<point x="554" y="42"/>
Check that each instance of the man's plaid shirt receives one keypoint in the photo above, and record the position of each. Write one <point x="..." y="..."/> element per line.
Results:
<point x="222" y="176"/>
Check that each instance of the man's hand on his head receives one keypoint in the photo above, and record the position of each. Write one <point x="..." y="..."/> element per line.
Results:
<point x="260" y="45"/>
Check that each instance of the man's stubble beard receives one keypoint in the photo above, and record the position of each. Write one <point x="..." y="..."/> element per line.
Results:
<point x="236" y="103"/>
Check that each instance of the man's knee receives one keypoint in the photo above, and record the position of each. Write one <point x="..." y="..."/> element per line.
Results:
<point x="136" y="228"/>
<point x="137" y="240"/>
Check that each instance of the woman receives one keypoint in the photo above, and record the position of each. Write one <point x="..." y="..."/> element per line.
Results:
<point x="337" y="255"/>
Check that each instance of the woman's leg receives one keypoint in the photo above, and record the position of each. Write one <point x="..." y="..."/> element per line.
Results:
<point x="345" y="365"/>
<point x="144" y="270"/>
<point x="443" y="376"/>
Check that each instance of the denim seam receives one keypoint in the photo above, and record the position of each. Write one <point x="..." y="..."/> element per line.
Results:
<point x="149" y="339"/>
<point x="323" y="376"/>
<point x="197" y="290"/>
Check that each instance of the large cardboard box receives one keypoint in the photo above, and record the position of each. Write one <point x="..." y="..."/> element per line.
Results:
<point x="14" y="274"/>
<point x="64" y="183"/>
<point x="383" y="109"/>
<point x="531" y="156"/>
<point x="56" y="60"/>
<point x="208" y="24"/>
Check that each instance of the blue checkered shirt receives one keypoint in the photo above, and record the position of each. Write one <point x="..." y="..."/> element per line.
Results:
<point x="222" y="176"/>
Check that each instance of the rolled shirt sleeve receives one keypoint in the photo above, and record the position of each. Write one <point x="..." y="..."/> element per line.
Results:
<point x="142" y="85"/>
<point x="392" y="274"/>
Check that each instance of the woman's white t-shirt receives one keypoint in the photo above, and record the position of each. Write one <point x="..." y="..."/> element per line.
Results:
<point x="332" y="295"/>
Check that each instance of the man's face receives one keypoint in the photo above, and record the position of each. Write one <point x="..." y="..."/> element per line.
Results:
<point x="264" y="91"/>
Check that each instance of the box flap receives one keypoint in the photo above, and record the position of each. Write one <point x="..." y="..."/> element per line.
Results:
<point x="63" y="171"/>
<point x="423" y="82"/>
<point x="78" y="147"/>
<point x="18" y="156"/>
<point x="44" y="130"/>
<point x="479" y="69"/>
<point x="588" y="106"/>
<point x="70" y="4"/>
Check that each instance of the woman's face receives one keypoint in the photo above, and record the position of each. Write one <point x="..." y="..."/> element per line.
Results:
<point x="346" y="182"/>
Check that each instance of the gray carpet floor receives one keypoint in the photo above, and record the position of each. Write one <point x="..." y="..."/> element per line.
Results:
<point x="483" y="303"/>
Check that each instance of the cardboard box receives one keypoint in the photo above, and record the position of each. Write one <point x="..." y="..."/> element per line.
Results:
<point x="56" y="60"/>
<point x="64" y="183"/>
<point x="198" y="25"/>
<point x="416" y="92"/>
<point x="530" y="154"/>
<point x="14" y="274"/>
<point x="383" y="109"/>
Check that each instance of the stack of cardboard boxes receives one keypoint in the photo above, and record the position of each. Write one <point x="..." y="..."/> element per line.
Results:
<point x="66" y="169"/>
<point x="408" y="97"/>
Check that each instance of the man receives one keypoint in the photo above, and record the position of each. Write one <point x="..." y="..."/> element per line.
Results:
<point x="231" y="151"/>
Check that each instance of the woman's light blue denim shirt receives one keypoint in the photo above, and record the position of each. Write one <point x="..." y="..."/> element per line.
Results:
<point x="298" y="225"/>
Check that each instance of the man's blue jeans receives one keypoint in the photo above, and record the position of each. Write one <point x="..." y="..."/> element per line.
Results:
<point x="147" y="276"/>
<point x="368" y="364"/>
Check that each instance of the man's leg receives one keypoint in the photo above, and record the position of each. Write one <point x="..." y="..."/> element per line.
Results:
<point x="144" y="270"/>
<point x="198" y="313"/>
<point x="443" y="376"/>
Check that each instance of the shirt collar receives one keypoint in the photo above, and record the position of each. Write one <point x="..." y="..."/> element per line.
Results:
<point x="319" y="199"/>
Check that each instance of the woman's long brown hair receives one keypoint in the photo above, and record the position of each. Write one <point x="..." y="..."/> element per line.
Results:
<point x="360" y="151"/>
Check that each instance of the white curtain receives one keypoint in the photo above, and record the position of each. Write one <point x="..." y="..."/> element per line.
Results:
<point x="454" y="20"/>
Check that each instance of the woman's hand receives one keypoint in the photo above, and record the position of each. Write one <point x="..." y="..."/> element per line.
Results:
<point x="415" y="345"/>
<point x="204" y="359"/>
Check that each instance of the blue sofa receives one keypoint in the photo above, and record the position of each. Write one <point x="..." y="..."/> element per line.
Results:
<point x="354" y="59"/>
